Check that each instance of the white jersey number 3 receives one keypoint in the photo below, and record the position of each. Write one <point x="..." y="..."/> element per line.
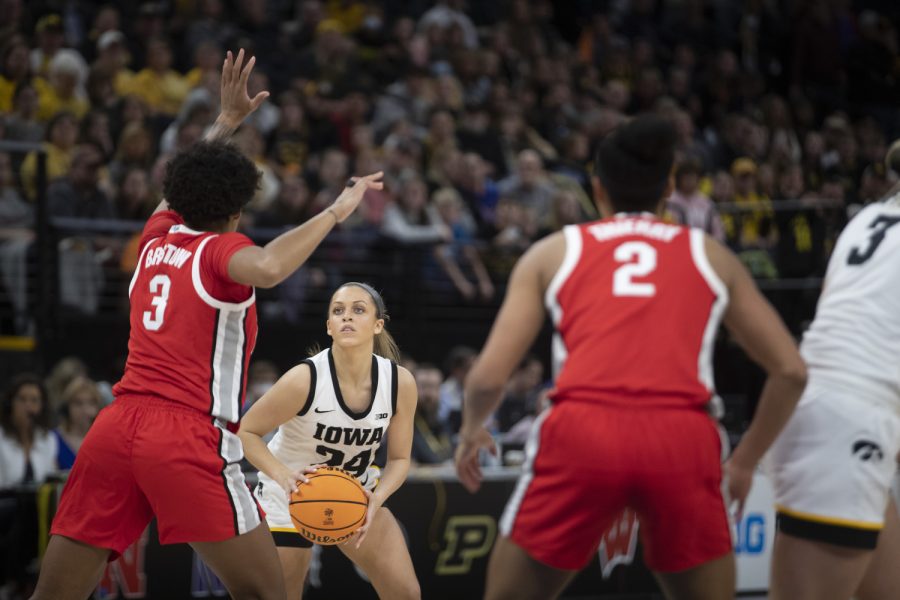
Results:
<point x="159" y="288"/>
<point x="640" y="261"/>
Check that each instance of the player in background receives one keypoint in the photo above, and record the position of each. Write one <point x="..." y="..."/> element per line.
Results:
<point x="636" y="303"/>
<point x="838" y="532"/>
<point x="334" y="408"/>
<point x="166" y="447"/>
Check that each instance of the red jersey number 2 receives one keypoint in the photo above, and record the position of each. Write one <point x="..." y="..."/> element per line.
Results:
<point x="639" y="260"/>
<point x="159" y="290"/>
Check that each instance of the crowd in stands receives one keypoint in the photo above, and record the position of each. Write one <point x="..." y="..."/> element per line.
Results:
<point x="482" y="115"/>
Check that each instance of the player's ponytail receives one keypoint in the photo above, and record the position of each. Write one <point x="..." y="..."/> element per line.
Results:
<point x="384" y="345"/>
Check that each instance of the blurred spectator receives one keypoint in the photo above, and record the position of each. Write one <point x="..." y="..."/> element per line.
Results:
<point x="479" y="192"/>
<point x="521" y="395"/>
<point x="63" y="89"/>
<point x="16" y="216"/>
<point x="749" y="223"/>
<point x="689" y="206"/>
<point x="431" y="435"/>
<point x="250" y="142"/>
<point x="81" y="402"/>
<point x="410" y="220"/>
<point x="113" y="59"/>
<point x="61" y="136"/>
<point x="530" y="187"/>
<point x="461" y="255"/>
<point x="567" y="210"/>
<point x="134" y="201"/>
<point x="292" y="207"/>
<point x="16" y="236"/>
<point x="22" y="125"/>
<point x="456" y="367"/>
<point x="64" y="372"/>
<point x="447" y="14"/>
<point x="14" y="70"/>
<point x="800" y="248"/>
<point x="50" y="39"/>
<point x="27" y="447"/>
<point x="95" y="130"/>
<point x="78" y="194"/>
<point x="134" y="151"/>
<point x="261" y="376"/>
<point x="161" y="87"/>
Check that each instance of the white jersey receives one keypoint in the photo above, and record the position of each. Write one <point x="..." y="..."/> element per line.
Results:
<point x="326" y="431"/>
<point x="855" y="338"/>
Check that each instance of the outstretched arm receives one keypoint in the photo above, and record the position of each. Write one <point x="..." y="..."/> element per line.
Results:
<point x="271" y="264"/>
<point x="761" y="333"/>
<point x="236" y="103"/>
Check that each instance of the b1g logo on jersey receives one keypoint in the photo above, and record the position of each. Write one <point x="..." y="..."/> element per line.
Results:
<point x="618" y="544"/>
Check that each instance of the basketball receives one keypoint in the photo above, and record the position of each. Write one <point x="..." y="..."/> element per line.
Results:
<point x="330" y="507"/>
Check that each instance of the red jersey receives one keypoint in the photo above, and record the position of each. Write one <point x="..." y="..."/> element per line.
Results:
<point x="193" y="329"/>
<point x="636" y="306"/>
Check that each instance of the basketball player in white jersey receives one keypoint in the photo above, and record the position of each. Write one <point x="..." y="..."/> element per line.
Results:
<point x="838" y="531"/>
<point x="334" y="408"/>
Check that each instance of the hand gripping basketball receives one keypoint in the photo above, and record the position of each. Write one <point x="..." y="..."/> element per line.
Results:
<point x="329" y="507"/>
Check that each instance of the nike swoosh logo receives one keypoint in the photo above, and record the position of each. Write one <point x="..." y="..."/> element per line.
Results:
<point x="324" y="411"/>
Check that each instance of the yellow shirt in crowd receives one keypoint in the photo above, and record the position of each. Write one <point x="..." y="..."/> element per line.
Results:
<point x="58" y="162"/>
<point x="162" y="93"/>
<point x="50" y="103"/>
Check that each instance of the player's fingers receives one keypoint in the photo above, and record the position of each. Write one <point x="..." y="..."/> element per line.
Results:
<point x="238" y="64"/>
<point x="258" y="99"/>
<point x="300" y="476"/>
<point x="245" y="73"/>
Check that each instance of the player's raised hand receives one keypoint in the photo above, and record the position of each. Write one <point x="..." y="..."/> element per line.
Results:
<point x="236" y="102"/>
<point x="353" y="194"/>
<point x="467" y="467"/>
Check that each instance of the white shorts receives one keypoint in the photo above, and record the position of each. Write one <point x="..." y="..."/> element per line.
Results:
<point x="274" y="503"/>
<point x="833" y="465"/>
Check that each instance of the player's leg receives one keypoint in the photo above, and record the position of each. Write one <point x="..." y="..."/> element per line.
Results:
<point x="713" y="580"/>
<point x="684" y="523"/>
<point x="513" y="575"/>
<point x="804" y="569"/>
<point x="102" y="509"/>
<point x="882" y="578"/>
<point x="831" y="469"/>
<point x="70" y="569"/>
<point x="561" y="507"/>
<point x="294" y="565"/>
<point x="247" y="564"/>
<point x="384" y="557"/>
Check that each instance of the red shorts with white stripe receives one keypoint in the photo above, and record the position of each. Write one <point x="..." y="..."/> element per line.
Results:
<point x="147" y="457"/>
<point x="587" y="462"/>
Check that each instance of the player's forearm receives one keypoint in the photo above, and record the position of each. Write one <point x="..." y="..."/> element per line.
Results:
<point x="287" y="253"/>
<point x="257" y="452"/>
<point x="479" y="404"/>
<point x="392" y="478"/>
<point x="776" y="404"/>
<point x="221" y="129"/>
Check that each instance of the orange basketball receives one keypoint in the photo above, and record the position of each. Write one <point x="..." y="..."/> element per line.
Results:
<point x="329" y="508"/>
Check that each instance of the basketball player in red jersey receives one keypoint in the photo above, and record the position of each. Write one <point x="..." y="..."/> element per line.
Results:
<point x="636" y="303"/>
<point x="166" y="447"/>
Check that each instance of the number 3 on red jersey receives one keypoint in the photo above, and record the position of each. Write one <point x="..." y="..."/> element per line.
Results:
<point x="640" y="261"/>
<point x="159" y="289"/>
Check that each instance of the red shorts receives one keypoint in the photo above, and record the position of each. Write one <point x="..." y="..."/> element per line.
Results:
<point x="586" y="463"/>
<point x="147" y="457"/>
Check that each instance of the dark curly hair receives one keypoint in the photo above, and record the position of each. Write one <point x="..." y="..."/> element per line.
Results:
<point x="43" y="419"/>
<point x="208" y="183"/>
